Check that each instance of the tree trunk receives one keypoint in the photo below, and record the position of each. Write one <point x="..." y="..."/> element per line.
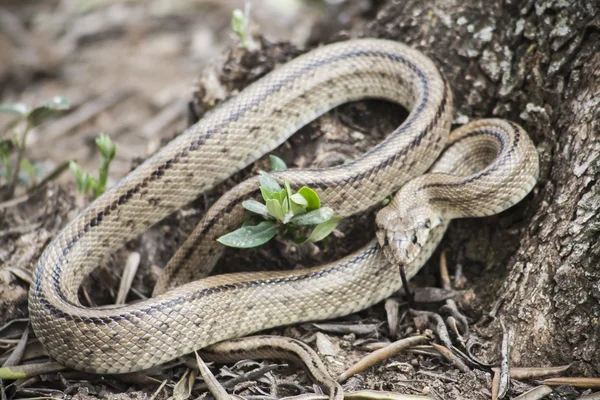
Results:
<point x="535" y="63"/>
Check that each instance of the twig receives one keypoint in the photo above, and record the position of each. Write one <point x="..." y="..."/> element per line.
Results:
<point x="382" y="354"/>
<point x="131" y="266"/>
<point x="162" y="385"/>
<point x="444" y="276"/>
<point x="17" y="353"/>
<point x="591" y="383"/>
<point x="535" y="394"/>
<point x="29" y="370"/>
<point x="450" y="356"/>
<point x="212" y="383"/>
<point x="504" y="379"/>
<point x="532" y="373"/>
<point x="437" y="325"/>
<point x="361" y="395"/>
<point x="254" y="374"/>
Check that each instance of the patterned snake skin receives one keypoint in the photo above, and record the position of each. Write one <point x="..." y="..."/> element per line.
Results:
<point x="494" y="165"/>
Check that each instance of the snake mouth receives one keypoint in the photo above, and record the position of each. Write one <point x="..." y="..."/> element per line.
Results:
<point x="400" y="247"/>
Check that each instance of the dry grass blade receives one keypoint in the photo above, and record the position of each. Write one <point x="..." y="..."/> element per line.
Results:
<point x="444" y="276"/>
<point x="254" y="374"/>
<point x="29" y="370"/>
<point x="344" y="329"/>
<point x="436" y="323"/>
<point x="589" y="383"/>
<point x="450" y="356"/>
<point x="391" y="310"/>
<point x="20" y="273"/>
<point x="535" y="394"/>
<point x="504" y="378"/>
<point x="160" y="388"/>
<point x="215" y="388"/>
<point x="17" y="354"/>
<point x="131" y="266"/>
<point x="426" y="295"/>
<point x="183" y="388"/>
<point x="591" y="396"/>
<point x="382" y="354"/>
<point x="324" y="345"/>
<point x="361" y="395"/>
<point x="496" y="384"/>
<point x="531" y="373"/>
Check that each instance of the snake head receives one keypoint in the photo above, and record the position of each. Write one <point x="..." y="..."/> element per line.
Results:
<point x="402" y="235"/>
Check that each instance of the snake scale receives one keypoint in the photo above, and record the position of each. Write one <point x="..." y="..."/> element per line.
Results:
<point x="488" y="166"/>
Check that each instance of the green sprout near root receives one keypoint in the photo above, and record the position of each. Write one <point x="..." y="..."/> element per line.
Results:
<point x="84" y="180"/>
<point x="297" y="215"/>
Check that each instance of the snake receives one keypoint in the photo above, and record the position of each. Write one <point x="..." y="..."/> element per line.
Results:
<point x="482" y="168"/>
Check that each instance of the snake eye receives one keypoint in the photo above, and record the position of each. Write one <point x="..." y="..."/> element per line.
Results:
<point x="413" y="238"/>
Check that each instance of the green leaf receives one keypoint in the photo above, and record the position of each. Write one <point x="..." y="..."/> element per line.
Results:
<point x="107" y="147"/>
<point x="313" y="217"/>
<point x="322" y="230"/>
<point x="279" y="196"/>
<point x="285" y="205"/>
<point x="295" y="208"/>
<point x="49" y="110"/>
<point x="256" y="207"/>
<point x="275" y="209"/>
<point x="30" y="171"/>
<point x="288" y="214"/>
<point x="238" y="22"/>
<point x="298" y="199"/>
<point x="20" y="109"/>
<point x="250" y="236"/>
<point x="268" y="182"/>
<point x="266" y="194"/>
<point x="311" y="198"/>
<point x="83" y="180"/>
<point x="277" y="164"/>
<point x="288" y="188"/>
<point x="5" y="150"/>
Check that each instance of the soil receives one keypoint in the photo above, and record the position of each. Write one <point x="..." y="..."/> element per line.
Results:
<point x="150" y="68"/>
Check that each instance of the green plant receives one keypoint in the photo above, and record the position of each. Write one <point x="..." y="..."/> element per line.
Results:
<point x="84" y="180"/>
<point x="296" y="215"/>
<point x="14" y="138"/>
<point x="240" y="22"/>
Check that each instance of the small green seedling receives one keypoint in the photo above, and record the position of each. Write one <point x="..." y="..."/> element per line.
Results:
<point x="84" y="180"/>
<point x="240" y="23"/>
<point x="291" y="214"/>
<point x="14" y="139"/>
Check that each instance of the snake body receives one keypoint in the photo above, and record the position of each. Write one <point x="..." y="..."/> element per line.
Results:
<point x="197" y="314"/>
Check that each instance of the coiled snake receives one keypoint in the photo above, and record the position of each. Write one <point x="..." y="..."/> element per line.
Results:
<point x="493" y="165"/>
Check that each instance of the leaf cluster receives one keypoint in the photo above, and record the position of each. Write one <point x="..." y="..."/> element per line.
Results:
<point x="84" y="180"/>
<point x="298" y="215"/>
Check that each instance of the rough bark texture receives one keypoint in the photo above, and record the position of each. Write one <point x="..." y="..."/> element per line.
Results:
<point x="536" y="63"/>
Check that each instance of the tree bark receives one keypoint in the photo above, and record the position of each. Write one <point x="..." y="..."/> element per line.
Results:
<point x="535" y="63"/>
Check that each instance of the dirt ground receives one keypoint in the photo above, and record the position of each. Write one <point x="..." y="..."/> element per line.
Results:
<point x="134" y="70"/>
